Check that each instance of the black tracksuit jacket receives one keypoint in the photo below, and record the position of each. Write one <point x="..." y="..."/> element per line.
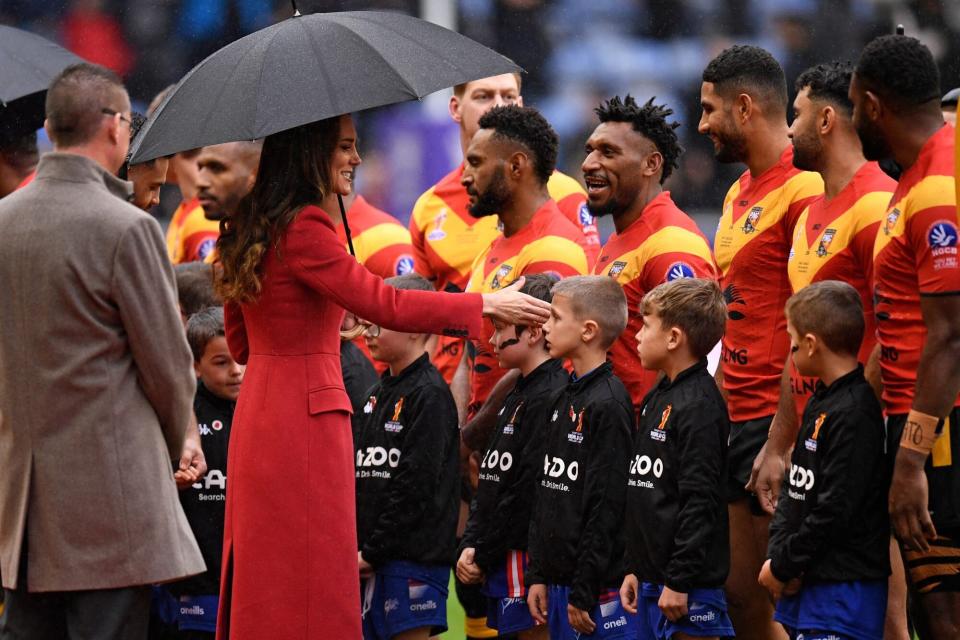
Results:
<point x="831" y="523"/>
<point x="576" y="533"/>
<point x="676" y="523"/>
<point x="500" y="512"/>
<point x="406" y="450"/>
<point x="204" y="503"/>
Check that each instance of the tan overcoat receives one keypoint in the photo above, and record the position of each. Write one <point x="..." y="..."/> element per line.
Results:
<point x="96" y="387"/>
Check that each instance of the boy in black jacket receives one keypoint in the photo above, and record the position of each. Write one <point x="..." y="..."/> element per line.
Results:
<point x="828" y="552"/>
<point x="677" y="545"/>
<point x="576" y="537"/>
<point x="407" y="474"/>
<point x="494" y="547"/>
<point x="204" y="503"/>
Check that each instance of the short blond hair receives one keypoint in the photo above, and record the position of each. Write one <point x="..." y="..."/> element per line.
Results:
<point x="693" y="305"/>
<point x="458" y="90"/>
<point x="597" y="298"/>
<point x="831" y="310"/>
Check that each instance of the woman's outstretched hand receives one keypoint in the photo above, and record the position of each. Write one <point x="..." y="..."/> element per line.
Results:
<point x="512" y="307"/>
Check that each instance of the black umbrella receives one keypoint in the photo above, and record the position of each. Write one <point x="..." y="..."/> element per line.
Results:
<point x="308" y="68"/>
<point x="27" y="65"/>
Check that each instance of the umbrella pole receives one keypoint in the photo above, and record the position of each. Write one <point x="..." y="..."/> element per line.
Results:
<point x="346" y="226"/>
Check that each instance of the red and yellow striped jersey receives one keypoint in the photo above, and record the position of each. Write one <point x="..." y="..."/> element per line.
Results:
<point x="548" y="244"/>
<point x="190" y="236"/>
<point x="663" y="244"/>
<point x="915" y="255"/>
<point x="751" y="246"/>
<point x="447" y="239"/>
<point x="834" y="241"/>
<point x="381" y="242"/>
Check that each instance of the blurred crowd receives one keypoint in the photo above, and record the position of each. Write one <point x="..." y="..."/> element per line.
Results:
<point x="574" y="53"/>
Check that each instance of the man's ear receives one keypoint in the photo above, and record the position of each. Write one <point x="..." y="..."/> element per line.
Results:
<point x="454" y="107"/>
<point x="873" y="107"/>
<point x="827" y="120"/>
<point x="743" y="108"/>
<point x="517" y="164"/>
<point x="652" y="164"/>
<point x="196" y="368"/>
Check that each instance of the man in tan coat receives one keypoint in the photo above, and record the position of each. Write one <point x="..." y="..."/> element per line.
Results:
<point x="96" y="386"/>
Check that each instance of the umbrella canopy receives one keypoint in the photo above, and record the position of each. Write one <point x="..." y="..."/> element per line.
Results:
<point x="308" y="68"/>
<point x="28" y="63"/>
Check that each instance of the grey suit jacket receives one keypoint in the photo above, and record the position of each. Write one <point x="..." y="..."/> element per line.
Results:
<point x="96" y="387"/>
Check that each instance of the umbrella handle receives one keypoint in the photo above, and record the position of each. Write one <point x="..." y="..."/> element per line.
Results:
<point x="346" y="226"/>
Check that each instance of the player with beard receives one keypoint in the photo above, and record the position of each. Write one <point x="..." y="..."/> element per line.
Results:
<point x="227" y="174"/>
<point x="630" y="154"/>
<point x="916" y="274"/>
<point x="744" y="101"/>
<point x="447" y="239"/>
<point x="509" y="162"/>
<point x="833" y="240"/>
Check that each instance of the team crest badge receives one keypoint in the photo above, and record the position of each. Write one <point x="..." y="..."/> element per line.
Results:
<point x="616" y="268"/>
<point x="438" y="233"/>
<point x="750" y="224"/>
<point x="891" y="221"/>
<point x="825" y="241"/>
<point x="499" y="275"/>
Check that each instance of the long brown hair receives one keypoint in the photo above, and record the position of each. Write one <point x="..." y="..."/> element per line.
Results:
<point x="294" y="172"/>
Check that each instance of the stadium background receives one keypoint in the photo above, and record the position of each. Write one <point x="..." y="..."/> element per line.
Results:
<point x="576" y="52"/>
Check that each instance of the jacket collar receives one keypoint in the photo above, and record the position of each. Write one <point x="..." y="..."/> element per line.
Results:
<point x="72" y="167"/>
<point x="546" y="368"/>
<point x="579" y="384"/>
<point x="220" y="403"/>
<point x="683" y="375"/>
<point x="839" y="383"/>
<point x="412" y="369"/>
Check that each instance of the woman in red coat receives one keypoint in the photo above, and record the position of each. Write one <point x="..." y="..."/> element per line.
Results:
<point x="290" y="544"/>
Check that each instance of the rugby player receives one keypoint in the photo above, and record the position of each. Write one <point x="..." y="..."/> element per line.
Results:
<point x="446" y="238"/>
<point x="895" y="93"/>
<point x="744" y="101"/>
<point x="630" y="154"/>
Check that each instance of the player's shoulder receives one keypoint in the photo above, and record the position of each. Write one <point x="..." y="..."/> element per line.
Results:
<point x="560" y="185"/>
<point x="196" y="221"/>
<point x="798" y="184"/>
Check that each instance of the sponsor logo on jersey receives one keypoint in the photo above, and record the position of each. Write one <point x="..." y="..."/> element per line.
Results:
<point x="583" y="213"/>
<point x="802" y="479"/>
<point x="499" y="275"/>
<point x="438" y="233"/>
<point x="404" y="265"/>
<point x="825" y="241"/>
<point x="732" y="296"/>
<point x="609" y="608"/>
<point x="397" y="408"/>
<point x="206" y="248"/>
<point x="616" y="268"/>
<point x="391" y="604"/>
<point x="891" y="221"/>
<point x="556" y="414"/>
<point x="750" y="224"/>
<point x="204" y="429"/>
<point x="942" y="238"/>
<point x="216" y="425"/>
<point x="371" y="405"/>
<point x="679" y="270"/>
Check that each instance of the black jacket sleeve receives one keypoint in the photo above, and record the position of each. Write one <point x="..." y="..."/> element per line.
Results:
<point x="429" y="436"/>
<point x="840" y="486"/>
<point x="504" y="525"/>
<point x="700" y="432"/>
<point x="604" y="497"/>
<point x="534" y="574"/>
<point x="469" y="538"/>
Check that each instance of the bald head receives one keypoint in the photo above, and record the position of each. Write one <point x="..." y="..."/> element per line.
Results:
<point x="227" y="174"/>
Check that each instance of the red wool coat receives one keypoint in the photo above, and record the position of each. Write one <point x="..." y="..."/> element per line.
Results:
<point x="290" y="544"/>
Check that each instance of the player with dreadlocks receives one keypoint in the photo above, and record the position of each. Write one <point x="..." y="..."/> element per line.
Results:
<point x="630" y="154"/>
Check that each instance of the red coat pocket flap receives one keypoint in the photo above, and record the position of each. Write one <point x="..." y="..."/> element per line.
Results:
<point x="328" y="399"/>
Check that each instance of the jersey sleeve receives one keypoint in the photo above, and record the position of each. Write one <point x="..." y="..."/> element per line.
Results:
<point x="932" y="232"/>
<point x="674" y="265"/>
<point x="198" y="245"/>
<point x="418" y="239"/>
<point x="555" y="255"/>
